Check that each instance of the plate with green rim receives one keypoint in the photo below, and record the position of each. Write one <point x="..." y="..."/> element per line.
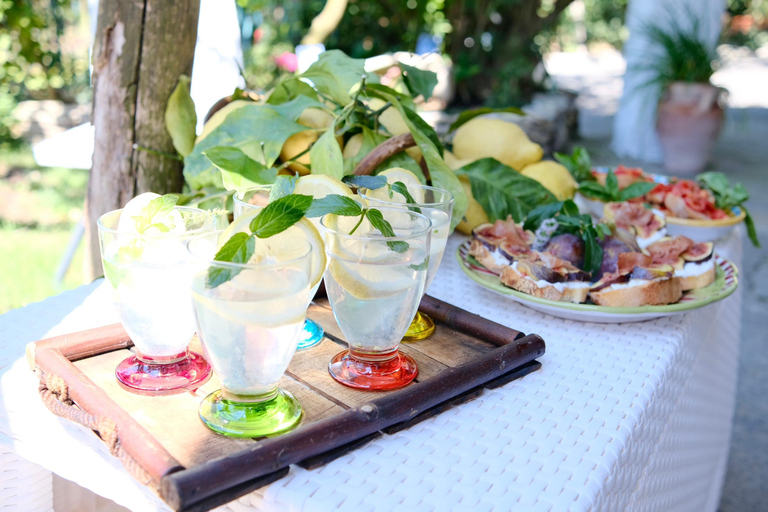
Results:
<point x="726" y="282"/>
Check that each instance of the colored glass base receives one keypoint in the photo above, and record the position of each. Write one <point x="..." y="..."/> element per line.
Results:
<point x="421" y="328"/>
<point x="250" y="419"/>
<point x="388" y="371"/>
<point x="311" y="334"/>
<point x="146" y="375"/>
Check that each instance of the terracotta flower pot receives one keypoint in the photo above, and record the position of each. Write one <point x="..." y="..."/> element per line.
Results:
<point x="688" y="122"/>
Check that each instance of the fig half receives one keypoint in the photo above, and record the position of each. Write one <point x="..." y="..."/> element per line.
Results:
<point x="699" y="252"/>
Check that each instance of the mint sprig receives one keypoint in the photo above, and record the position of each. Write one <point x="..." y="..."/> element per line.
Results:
<point x="401" y="189"/>
<point x="155" y="214"/>
<point x="379" y="222"/>
<point x="365" y="181"/>
<point x="238" y="249"/>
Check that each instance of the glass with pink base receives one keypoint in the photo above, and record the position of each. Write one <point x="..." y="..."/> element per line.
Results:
<point x="150" y="274"/>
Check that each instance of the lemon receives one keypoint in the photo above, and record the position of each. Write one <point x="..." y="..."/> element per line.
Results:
<point x="371" y="281"/>
<point x="316" y="118"/>
<point x="408" y="179"/>
<point x="353" y="145"/>
<point x="454" y="163"/>
<point x="283" y="246"/>
<point x="319" y="186"/>
<point x="554" y="177"/>
<point x="393" y="122"/>
<point x="475" y="215"/>
<point x="504" y="141"/>
<point x="127" y="224"/>
<point x="218" y="118"/>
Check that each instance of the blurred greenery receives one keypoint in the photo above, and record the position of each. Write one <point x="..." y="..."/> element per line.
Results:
<point x="747" y="23"/>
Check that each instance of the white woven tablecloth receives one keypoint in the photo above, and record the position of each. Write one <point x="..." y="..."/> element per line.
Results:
<point x="620" y="417"/>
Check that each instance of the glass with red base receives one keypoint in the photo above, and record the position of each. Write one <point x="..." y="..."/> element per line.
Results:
<point x="374" y="284"/>
<point x="437" y="205"/>
<point x="150" y="274"/>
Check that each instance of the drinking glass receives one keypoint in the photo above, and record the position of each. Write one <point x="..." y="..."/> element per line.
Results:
<point x="374" y="292"/>
<point x="150" y="276"/>
<point x="437" y="206"/>
<point x="249" y="327"/>
<point x="257" y="198"/>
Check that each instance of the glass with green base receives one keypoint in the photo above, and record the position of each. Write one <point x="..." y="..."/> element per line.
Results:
<point x="249" y="327"/>
<point x="437" y="205"/>
<point x="257" y="198"/>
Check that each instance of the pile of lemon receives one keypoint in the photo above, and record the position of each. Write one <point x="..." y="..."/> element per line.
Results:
<point x="506" y="142"/>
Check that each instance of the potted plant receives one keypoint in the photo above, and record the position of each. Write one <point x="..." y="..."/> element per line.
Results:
<point x="690" y="111"/>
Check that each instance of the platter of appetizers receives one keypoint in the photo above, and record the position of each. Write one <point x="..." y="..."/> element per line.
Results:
<point x="624" y="269"/>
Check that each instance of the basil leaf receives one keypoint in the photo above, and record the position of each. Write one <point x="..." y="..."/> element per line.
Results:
<point x="336" y="204"/>
<point x="570" y="208"/>
<point x="594" y="190"/>
<point x="468" y="115"/>
<point x="541" y="213"/>
<point x="283" y="186"/>
<point x="612" y="185"/>
<point x="326" y="155"/>
<point x="593" y="253"/>
<point x="369" y="182"/>
<point x="379" y="222"/>
<point x="419" y="81"/>
<point x="637" y="189"/>
<point x="278" y="216"/>
<point x="502" y="191"/>
<point x="238" y="249"/>
<point x="578" y="163"/>
<point x="717" y="182"/>
<point x="751" y="231"/>
<point x="180" y="117"/>
<point x="401" y="189"/>
<point x="238" y="171"/>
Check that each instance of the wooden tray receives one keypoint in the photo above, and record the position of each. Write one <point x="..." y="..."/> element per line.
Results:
<point x="162" y="442"/>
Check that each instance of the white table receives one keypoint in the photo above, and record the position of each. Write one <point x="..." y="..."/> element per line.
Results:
<point x="620" y="417"/>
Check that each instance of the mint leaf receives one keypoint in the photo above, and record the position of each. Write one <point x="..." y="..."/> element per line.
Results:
<point x="238" y="249"/>
<point x="238" y="171"/>
<point x="283" y="186"/>
<point x="421" y="266"/>
<point x="336" y="204"/>
<point x="419" y="81"/>
<point x="155" y="212"/>
<point x="280" y="215"/>
<point x="401" y="189"/>
<point x="379" y="222"/>
<point x="365" y="181"/>
<point x="637" y="189"/>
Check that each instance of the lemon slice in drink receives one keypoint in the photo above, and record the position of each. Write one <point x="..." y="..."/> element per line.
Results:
<point x="371" y="281"/>
<point x="127" y="224"/>
<point x="283" y="246"/>
<point x="408" y="179"/>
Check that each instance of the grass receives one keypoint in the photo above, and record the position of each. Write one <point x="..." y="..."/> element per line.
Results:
<point x="28" y="262"/>
<point x="38" y="208"/>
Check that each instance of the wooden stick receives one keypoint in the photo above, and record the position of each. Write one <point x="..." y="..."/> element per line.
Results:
<point x="386" y="149"/>
<point x="83" y="344"/>
<point x="467" y="322"/>
<point x="139" y="443"/>
<point x="184" y="489"/>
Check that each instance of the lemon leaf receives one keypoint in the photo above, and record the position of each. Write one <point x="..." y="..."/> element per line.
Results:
<point x="468" y="115"/>
<point x="326" y="157"/>
<point x="238" y="171"/>
<point x="282" y="187"/>
<point x="419" y="81"/>
<point x="180" y="117"/>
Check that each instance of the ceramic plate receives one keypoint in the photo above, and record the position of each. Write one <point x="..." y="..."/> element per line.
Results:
<point x="697" y="230"/>
<point x="726" y="282"/>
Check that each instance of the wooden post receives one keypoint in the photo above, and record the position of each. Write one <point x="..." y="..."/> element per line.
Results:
<point x="141" y="48"/>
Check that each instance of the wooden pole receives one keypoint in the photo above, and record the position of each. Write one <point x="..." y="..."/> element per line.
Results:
<point x="141" y="48"/>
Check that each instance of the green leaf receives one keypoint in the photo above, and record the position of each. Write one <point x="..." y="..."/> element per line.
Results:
<point x="751" y="231"/>
<point x="336" y="204"/>
<point x="292" y="109"/>
<point x="419" y="81"/>
<point x="594" y="190"/>
<point x="502" y="191"/>
<point x="238" y="249"/>
<point x="334" y="74"/>
<point x="637" y="189"/>
<point x="238" y="171"/>
<point x="283" y="186"/>
<point x="365" y="181"/>
<point x="421" y="266"/>
<point x="379" y="222"/>
<point x="188" y="198"/>
<point x="371" y="139"/>
<point x="246" y="129"/>
<point x="593" y="253"/>
<point x="578" y="163"/>
<point x="401" y="189"/>
<point x="280" y="215"/>
<point x="155" y="212"/>
<point x="612" y="185"/>
<point x="404" y="160"/>
<point x="326" y="155"/>
<point x="180" y="117"/>
<point x="468" y="115"/>
<point x="289" y="89"/>
<point x="541" y="213"/>
<point x="379" y="91"/>
<point x="442" y="176"/>
<point x="423" y="127"/>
